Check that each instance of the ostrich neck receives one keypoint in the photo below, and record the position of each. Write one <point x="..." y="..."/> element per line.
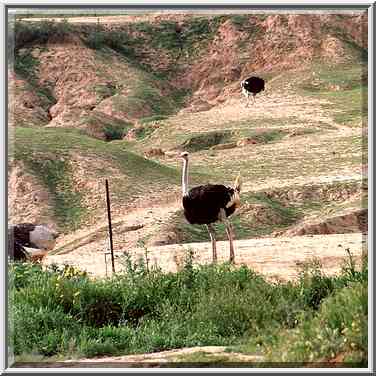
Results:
<point x="185" y="178"/>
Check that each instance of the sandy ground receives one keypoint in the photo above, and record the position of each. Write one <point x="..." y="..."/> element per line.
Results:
<point x="275" y="258"/>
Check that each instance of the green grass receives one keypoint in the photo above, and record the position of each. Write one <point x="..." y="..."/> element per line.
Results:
<point x="306" y="160"/>
<point x="205" y="140"/>
<point x="229" y="133"/>
<point x="150" y="119"/>
<point x="26" y="66"/>
<point x="104" y="91"/>
<point x="327" y="332"/>
<point x="150" y="95"/>
<point x="28" y="33"/>
<point x="62" y="313"/>
<point x="195" y="35"/>
<point x="111" y="128"/>
<point x="47" y="153"/>
<point x="202" y="359"/>
<point x="352" y="104"/>
<point x="343" y="86"/>
<point x="263" y="213"/>
<point x="333" y="331"/>
<point x="275" y="216"/>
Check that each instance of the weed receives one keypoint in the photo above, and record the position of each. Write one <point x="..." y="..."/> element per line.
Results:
<point x="142" y="310"/>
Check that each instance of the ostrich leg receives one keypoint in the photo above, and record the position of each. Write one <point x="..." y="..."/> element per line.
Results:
<point x="229" y="232"/>
<point x="212" y="238"/>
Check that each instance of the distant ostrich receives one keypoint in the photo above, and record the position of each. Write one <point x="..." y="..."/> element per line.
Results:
<point x="206" y="204"/>
<point x="252" y="86"/>
<point x="29" y="235"/>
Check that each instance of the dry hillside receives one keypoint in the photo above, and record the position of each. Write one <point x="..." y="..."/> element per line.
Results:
<point x="121" y="97"/>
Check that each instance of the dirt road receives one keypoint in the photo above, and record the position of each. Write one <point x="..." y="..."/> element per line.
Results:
<point x="275" y="258"/>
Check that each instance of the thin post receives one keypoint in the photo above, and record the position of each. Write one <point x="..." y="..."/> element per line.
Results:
<point x="110" y="227"/>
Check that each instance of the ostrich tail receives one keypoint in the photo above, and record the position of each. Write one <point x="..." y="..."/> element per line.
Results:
<point x="238" y="183"/>
<point x="235" y="197"/>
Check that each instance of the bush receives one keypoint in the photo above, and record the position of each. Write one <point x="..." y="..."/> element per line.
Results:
<point x="314" y="286"/>
<point x="339" y="329"/>
<point x="42" y="330"/>
<point x="60" y="311"/>
<point x="27" y="33"/>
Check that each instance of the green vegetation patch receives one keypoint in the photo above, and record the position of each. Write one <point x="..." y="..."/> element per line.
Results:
<point x="104" y="91"/>
<point x="47" y="153"/>
<point x="61" y="312"/>
<point x="29" y="33"/>
<point x="206" y="140"/>
<point x="263" y="213"/>
<point x="99" y="38"/>
<point x="56" y="174"/>
<point x="344" y="87"/>
<point x="151" y="119"/>
<point x="183" y="41"/>
<point x="100" y="123"/>
<point x="26" y="66"/>
<point x="334" y="331"/>
<point x="149" y="96"/>
<point x="246" y="23"/>
<point x="260" y="216"/>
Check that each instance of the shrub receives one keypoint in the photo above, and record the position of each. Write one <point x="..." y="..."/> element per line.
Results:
<point x="42" y="329"/>
<point x="339" y="328"/>
<point x="61" y="311"/>
<point x="27" y="33"/>
<point x="314" y="286"/>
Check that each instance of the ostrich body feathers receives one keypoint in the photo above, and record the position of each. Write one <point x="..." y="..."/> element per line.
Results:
<point x="202" y="204"/>
<point x="253" y="85"/>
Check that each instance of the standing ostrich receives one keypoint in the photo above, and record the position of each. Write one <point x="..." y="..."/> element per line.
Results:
<point x="206" y="204"/>
<point x="252" y="86"/>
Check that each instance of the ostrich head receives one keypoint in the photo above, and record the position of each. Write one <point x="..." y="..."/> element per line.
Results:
<point x="184" y="155"/>
<point x="43" y="238"/>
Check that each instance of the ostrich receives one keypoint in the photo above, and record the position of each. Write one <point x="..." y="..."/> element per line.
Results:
<point x="206" y="204"/>
<point x="29" y="235"/>
<point x="252" y="85"/>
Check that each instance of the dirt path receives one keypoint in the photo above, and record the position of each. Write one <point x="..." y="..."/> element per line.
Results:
<point x="211" y="353"/>
<point x="275" y="258"/>
<point x="186" y="357"/>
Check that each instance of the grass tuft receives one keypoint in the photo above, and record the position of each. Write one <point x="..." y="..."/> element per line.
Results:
<point x="61" y="312"/>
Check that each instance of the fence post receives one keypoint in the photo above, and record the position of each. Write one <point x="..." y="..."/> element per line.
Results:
<point x="110" y="226"/>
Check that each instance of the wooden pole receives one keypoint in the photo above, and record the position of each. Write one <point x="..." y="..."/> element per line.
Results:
<point x="110" y="226"/>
